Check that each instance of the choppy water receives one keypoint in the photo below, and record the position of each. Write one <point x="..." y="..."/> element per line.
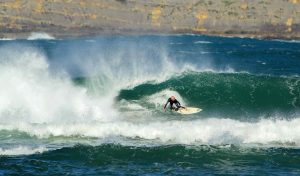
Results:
<point x="94" y="106"/>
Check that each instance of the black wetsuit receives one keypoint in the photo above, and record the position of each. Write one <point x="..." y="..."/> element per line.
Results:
<point x="171" y="104"/>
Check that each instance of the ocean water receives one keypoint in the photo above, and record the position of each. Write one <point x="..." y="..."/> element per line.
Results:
<point x="93" y="106"/>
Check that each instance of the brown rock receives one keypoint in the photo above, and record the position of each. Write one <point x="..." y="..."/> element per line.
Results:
<point x="66" y="18"/>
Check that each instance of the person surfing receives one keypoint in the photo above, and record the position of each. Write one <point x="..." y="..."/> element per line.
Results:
<point x="173" y="101"/>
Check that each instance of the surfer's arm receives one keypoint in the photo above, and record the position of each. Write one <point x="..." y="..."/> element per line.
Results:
<point x="179" y="105"/>
<point x="166" y="104"/>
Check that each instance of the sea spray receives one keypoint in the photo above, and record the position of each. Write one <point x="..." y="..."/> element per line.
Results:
<point x="31" y="94"/>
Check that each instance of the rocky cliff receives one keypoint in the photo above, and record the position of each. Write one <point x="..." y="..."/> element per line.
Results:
<point x="63" y="18"/>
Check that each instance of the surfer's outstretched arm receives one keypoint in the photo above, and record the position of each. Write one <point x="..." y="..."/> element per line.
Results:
<point x="164" y="108"/>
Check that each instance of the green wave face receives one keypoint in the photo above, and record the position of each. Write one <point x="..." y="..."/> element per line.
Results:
<point x="228" y="94"/>
<point x="110" y="159"/>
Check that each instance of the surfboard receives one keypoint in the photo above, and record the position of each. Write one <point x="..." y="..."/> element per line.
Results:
<point x="189" y="110"/>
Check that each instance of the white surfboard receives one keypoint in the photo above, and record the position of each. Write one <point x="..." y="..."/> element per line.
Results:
<point x="189" y="110"/>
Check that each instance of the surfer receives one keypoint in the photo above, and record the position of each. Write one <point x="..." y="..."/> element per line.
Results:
<point x="172" y="100"/>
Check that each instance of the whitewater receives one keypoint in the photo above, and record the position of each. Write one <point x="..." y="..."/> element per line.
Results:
<point x="75" y="94"/>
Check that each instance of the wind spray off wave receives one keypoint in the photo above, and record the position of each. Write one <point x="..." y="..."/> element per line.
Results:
<point x="40" y="102"/>
<point x="32" y="94"/>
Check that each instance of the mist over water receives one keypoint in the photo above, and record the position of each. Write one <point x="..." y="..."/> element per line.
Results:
<point x="58" y="94"/>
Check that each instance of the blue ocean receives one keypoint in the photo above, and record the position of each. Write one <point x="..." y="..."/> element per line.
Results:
<point x="93" y="106"/>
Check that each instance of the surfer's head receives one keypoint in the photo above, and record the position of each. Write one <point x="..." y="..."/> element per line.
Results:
<point x="172" y="98"/>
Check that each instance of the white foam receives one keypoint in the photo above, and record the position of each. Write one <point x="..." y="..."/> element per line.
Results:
<point x="202" y="42"/>
<point x="31" y="94"/>
<point x="207" y="131"/>
<point x="90" y="40"/>
<point x="176" y="43"/>
<point x="287" y="41"/>
<point x="21" y="150"/>
<point x="40" y="36"/>
<point x="292" y="90"/>
<point x="6" y="39"/>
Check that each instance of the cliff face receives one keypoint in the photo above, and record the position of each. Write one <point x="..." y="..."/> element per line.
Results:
<point x="62" y="18"/>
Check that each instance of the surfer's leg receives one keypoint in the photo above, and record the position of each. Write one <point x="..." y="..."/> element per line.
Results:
<point x="172" y="108"/>
<point x="179" y="106"/>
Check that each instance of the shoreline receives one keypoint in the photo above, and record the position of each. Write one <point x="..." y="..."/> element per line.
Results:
<point x="26" y="35"/>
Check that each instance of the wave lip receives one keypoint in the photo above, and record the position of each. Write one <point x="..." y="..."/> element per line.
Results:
<point x="21" y="150"/>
